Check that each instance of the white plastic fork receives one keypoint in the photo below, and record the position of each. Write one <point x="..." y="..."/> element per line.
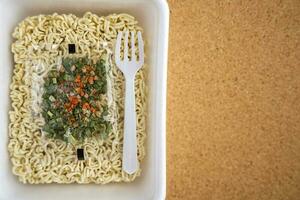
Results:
<point x="129" y="69"/>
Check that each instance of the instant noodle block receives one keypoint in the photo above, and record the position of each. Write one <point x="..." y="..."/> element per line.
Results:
<point x="62" y="100"/>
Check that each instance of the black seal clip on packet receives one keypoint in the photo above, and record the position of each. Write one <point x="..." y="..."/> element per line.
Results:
<point x="80" y="154"/>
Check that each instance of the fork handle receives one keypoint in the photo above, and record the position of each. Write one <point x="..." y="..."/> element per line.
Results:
<point x="130" y="161"/>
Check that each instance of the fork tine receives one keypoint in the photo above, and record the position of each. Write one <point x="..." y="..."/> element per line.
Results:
<point x="141" y="49"/>
<point x="126" y="46"/>
<point x="133" y="57"/>
<point x="118" y="49"/>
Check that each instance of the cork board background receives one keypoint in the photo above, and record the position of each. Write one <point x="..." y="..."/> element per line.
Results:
<point x="233" y="108"/>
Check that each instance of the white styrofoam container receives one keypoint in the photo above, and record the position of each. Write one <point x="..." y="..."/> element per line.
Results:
<point x="153" y="16"/>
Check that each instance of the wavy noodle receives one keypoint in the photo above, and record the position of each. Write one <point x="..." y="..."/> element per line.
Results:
<point x="39" y="41"/>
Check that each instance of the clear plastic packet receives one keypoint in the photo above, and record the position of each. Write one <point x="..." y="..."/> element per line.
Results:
<point x="73" y="98"/>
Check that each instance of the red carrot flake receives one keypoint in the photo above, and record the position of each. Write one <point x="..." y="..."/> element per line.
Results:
<point x="78" y="79"/>
<point x="86" y="106"/>
<point x="73" y="100"/>
<point x="81" y="85"/>
<point x="93" y="110"/>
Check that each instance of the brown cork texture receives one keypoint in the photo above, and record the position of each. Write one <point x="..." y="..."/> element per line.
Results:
<point x="233" y="108"/>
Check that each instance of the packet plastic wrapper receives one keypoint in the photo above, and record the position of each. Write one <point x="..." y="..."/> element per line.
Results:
<point x="72" y="97"/>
